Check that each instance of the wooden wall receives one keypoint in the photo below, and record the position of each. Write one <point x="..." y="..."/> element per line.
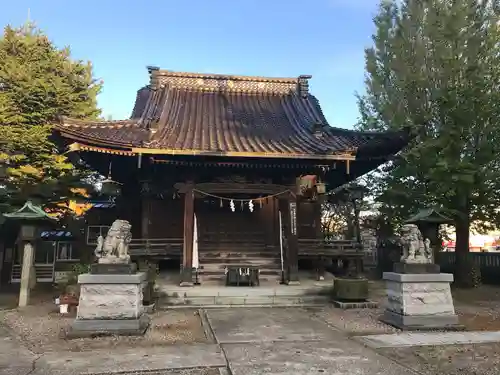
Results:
<point x="309" y="220"/>
<point x="166" y="218"/>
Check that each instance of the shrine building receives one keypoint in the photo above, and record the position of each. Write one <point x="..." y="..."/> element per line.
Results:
<point x="221" y="170"/>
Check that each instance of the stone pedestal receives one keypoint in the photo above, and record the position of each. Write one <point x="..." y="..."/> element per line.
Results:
<point x="110" y="305"/>
<point x="420" y="301"/>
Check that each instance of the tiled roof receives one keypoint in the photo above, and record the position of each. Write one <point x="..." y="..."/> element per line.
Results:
<point x="227" y="115"/>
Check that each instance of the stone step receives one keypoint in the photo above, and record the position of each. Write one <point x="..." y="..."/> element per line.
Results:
<point x="220" y="271"/>
<point x="239" y="261"/>
<point x="240" y="301"/>
<point x="220" y="268"/>
<point x="240" y="240"/>
<point x="202" y="253"/>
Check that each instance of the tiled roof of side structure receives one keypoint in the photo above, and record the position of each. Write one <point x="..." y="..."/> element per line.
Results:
<point x="227" y="114"/>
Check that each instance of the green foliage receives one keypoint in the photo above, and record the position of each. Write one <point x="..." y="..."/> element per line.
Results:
<point x="39" y="83"/>
<point x="434" y="68"/>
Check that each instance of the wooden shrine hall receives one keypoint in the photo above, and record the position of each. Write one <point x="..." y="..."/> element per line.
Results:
<point x="221" y="171"/>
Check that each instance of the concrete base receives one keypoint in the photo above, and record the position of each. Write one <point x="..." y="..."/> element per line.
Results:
<point x="416" y="268"/>
<point x="422" y="322"/>
<point x="94" y="328"/>
<point x="419" y="301"/>
<point x="113" y="268"/>
<point x="110" y="305"/>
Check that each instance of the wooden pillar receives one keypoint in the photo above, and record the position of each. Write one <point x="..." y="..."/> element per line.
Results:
<point x="289" y="217"/>
<point x="317" y="219"/>
<point x="28" y="276"/>
<point x="187" y="250"/>
<point x="145" y="218"/>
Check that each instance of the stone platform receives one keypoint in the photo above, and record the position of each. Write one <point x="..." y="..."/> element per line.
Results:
<point x="110" y="305"/>
<point x="420" y="302"/>
<point x="306" y="294"/>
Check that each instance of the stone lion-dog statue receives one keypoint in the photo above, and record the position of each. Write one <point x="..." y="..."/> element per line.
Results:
<point x="114" y="248"/>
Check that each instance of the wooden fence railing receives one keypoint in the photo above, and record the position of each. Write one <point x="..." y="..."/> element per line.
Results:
<point x="483" y="260"/>
<point x="334" y="248"/>
<point x="165" y="247"/>
<point x="488" y="263"/>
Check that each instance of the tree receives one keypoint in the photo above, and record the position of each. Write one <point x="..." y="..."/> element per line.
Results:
<point x="39" y="83"/>
<point x="434" y="69"/>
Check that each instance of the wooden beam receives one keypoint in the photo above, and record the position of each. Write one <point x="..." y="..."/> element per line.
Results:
<point x="232" y="187"/>
<point x="288" y="208"/>
<point x="187" y="249"/>
<point x="343" y="155"/>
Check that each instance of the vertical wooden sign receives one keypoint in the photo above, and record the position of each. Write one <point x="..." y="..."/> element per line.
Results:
<point x="293" y="218"/>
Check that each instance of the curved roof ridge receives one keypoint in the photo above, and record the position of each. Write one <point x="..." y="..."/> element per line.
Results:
<point x="69" y="121"/>
<point x="235" y="77"/>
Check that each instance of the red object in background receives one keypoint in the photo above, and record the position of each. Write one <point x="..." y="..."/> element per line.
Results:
<point x="68" y="299"/>
<point x="449" y="244"/>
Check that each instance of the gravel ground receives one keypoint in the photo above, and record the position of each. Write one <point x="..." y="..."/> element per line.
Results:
<point x="40" y="327"/>
<point x="477" y="359"/>
<point x="478" y="310"/>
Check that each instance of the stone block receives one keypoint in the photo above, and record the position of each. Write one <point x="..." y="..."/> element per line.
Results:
<point x="418" y="278"/>
<point x="113" y="268"/>
<point x="419" y="300"/>
<point x="416" y="268"/>
<point x="202" y="300"/>
<point x="421" y="322"/>
<point x="110" y="301"/>
<point x="108" y="327"/>
<point x="259" y="300"/>
<point x="136" y="278"/>
<point x="116" y="296"/>
<point x="350" y="289"/>
<point x="230" y="300"/>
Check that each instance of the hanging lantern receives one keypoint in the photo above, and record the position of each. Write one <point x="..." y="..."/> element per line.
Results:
<point x="221" y="204"/>
<point x="110" y="187"/>
<point x="231" y="205"/>
<point x="250" y="206"/>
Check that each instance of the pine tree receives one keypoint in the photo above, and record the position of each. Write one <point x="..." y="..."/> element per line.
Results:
<point x="434" y="68"/>
<point x="39" y="83"/>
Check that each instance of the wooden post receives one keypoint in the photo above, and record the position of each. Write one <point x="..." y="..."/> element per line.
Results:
<point x="145" y="218"/>
<point x="293" y="245"/>
<point x="28" y="277"/>
<point x="317" y="219"/>
<point x="289" y="211"/>
<point x="187" y="252"/>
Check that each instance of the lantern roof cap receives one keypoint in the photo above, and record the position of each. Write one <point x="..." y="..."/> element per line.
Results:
<point x="29" y="211"/>
<point x="429" y="215"/>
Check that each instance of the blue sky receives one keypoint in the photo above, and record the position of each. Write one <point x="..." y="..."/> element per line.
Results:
<point x="324" y="38"/>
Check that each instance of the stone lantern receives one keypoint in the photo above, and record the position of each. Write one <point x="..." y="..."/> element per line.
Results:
<point x="30" y="217"/>
<point x="428" y="222"/>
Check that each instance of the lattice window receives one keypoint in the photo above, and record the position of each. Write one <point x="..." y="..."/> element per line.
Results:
<point x="94" y="231"/>
<point x="64" y="251"/>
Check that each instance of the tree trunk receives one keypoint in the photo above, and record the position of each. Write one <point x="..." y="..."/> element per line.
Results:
<point x="466" y="274"/>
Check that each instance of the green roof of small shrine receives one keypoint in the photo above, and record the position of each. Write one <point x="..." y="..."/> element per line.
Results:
<point x="29" y="211"/>
<point x="429" y="215"/>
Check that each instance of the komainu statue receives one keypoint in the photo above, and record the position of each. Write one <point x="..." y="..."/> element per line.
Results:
<point x="415" y="249"/>
<point x="114" y="248"/>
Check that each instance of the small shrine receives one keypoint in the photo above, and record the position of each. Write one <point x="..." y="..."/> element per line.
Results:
<point x="31" y="218"/>
<point x="220" y="172"/>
